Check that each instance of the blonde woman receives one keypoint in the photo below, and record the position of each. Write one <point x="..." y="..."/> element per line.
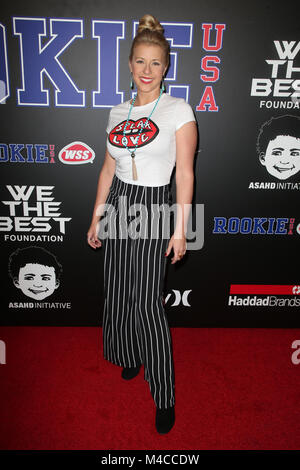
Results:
<point x="145" y="137"/>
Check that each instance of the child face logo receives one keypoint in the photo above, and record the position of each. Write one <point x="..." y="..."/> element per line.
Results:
<point x="282" y="157"/>
<point x="37" y="280"/>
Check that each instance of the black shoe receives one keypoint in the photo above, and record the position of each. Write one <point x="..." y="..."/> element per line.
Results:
<point x="165" y="419"/>
<point x="130" y="372"/>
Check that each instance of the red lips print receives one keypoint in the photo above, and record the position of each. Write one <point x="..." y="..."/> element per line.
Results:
<point x="148" y="133"/>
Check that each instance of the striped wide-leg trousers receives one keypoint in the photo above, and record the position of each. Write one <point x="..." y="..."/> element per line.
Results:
<point x="135" y="327"/>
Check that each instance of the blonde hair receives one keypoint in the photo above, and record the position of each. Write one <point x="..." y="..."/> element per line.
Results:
<point x="150" y="31"/>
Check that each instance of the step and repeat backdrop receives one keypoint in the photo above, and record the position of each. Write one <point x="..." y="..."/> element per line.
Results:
<point x="63" y="65"/>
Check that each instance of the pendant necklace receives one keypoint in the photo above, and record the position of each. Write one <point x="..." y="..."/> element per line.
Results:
<point x="132" y="153"/>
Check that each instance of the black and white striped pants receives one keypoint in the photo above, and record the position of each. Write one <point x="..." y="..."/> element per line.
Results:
<point x="135" y="327"/>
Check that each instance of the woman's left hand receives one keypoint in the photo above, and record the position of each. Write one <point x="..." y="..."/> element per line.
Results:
<point x="179" y="248"/>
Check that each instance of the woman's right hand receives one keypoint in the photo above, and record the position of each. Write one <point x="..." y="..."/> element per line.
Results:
<point x="92" y="236"/>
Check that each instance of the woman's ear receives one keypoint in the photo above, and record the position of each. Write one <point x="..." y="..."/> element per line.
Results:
<point x="129" y="65"/>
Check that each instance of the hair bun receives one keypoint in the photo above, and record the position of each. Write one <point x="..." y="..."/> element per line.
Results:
<point x="150" y="22"/>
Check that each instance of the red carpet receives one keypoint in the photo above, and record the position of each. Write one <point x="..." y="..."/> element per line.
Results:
<point x="235" y="389"/>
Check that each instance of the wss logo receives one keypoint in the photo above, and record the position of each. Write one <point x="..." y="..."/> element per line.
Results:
<point x="76" y="153"/>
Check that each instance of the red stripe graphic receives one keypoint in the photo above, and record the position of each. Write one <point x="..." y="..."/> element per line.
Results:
<point x="264" y="289"/>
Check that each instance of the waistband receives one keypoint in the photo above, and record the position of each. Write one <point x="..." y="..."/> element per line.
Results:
<point x="123" y="184"/>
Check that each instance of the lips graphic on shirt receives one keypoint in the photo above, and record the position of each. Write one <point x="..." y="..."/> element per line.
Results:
<point x="148" y="134"/>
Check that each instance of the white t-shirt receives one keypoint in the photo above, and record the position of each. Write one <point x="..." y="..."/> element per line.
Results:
<point x="155" y="156"/>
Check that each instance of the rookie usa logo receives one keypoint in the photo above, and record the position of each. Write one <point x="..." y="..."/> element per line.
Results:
<point x="27" y="153"/>
<point x="39" y="59"/>
<point x="255" y="226"/>
<point x="269" y="295"/>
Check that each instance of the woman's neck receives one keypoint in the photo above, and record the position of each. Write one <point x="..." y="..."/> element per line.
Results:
<point x="145" y="98"/>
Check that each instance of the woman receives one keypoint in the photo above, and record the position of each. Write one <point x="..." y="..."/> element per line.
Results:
<point x="146" y="135"/>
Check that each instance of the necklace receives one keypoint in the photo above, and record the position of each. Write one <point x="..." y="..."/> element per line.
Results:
<point x="132" y="153"/>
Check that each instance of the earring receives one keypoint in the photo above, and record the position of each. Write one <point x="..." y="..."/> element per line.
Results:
<point x="163" y="88"/>
<point x="131" y="82"/>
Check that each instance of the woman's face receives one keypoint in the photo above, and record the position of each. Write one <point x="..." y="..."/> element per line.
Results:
<point x="148" y="67"/>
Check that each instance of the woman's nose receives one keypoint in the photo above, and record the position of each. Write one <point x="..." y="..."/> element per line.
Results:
<point x="146" y="68"/>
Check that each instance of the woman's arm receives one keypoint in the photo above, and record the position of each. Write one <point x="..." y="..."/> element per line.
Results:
<point x="104" y="182"/>
<point x="186" y="142"/>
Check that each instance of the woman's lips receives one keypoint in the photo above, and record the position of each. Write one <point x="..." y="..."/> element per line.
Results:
<point x="146" y="80"/>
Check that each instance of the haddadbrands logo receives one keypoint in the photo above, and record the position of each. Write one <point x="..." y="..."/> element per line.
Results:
<point x="76" y="153"/>
<point x="264" y="295"/>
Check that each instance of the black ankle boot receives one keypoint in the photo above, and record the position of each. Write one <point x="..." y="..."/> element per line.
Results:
<point x="165" y="419"/>
<point x="130" y="372"/>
